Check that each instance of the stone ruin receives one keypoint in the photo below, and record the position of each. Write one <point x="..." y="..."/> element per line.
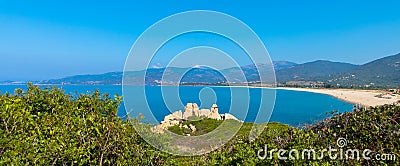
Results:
<point x="191" y="110"/>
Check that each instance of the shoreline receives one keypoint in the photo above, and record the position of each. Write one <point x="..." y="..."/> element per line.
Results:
<point x="362" y="97"/>
<point x="355" y="96"/>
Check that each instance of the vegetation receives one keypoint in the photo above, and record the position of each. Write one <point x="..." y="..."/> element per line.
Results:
<point x="203" y="126"/>
<point x="383" y="72"/>
<point x="310" y="70"/>
<point x="49" y="127"/>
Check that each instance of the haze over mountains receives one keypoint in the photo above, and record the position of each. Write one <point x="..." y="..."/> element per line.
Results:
<point x="384" y="72"/>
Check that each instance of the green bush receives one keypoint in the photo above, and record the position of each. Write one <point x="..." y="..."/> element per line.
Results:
<point x="47" y="126"/>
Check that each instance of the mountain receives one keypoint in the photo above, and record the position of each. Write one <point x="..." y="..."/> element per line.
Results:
<point x="310" y="70"/>
<point x="153" y="77"/>
<point x="106" y="78"/>
<point x="279" y="65"/>
<point x="201" y="75"/>
<point x="384" y="72"/>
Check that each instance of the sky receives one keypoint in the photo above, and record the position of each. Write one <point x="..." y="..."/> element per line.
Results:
<point x="54" y="39"/>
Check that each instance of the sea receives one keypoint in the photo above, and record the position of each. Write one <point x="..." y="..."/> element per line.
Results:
<point x="290" y="107"/>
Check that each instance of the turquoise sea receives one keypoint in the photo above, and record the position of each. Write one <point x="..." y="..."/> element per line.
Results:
<point x="291" y="107"/>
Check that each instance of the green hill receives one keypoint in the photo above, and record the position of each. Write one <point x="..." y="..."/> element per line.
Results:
<point x="310" y="70"/>
<point x="384" y="72"/>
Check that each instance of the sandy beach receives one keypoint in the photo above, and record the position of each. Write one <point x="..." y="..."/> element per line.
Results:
<point x="361" y="97"/>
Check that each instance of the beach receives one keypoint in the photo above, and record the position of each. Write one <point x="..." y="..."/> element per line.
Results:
<point x="355" y="96"/>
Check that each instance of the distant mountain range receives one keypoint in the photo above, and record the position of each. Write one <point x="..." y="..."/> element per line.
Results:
<point x="279" y="65"/>
<point x="202" y="75"/>
<point x="384" y="72"/>
<point x="310" y="70"/>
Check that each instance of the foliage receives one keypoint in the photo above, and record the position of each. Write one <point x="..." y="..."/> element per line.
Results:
<point x="49" y="127"/>
<point x="203" y="126"/>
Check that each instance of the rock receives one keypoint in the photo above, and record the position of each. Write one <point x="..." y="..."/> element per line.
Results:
<point x="190" y="110"/>
<point x="229" y="116"/>
<point x="186" y="126"/>
<point x="214" y="113"/>
<point x="158" y="129"/>
<point x="177" y="115"/>
<point x="174" y="122"/>
<point x="214" y="107"/>
<point x="192" y="127"/>
<point x="195" y="107"/>
<point x="203" y="112"/>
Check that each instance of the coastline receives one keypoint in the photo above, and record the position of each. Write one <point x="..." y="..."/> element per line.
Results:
<point x="362" y="97"/>
<point x="355" y="96"/>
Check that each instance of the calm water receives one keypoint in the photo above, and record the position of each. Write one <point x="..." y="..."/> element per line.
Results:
<point x="291" y="107"/>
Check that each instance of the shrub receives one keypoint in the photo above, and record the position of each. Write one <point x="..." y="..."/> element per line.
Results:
<point x="47" y="126"/>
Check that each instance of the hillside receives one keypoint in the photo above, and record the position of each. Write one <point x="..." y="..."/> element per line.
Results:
<point x="308" y="71"/>
<point x="384" y="72"/>
<point x="106" y="78"/>
<point x="279" y="65"/>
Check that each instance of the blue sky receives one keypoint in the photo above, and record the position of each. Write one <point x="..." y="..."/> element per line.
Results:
<point x="53" y="39"/>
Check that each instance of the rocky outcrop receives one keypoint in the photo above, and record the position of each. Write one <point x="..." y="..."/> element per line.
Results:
<point x="203" y="113"/>
<point x="192" y="127"/>
<point x="191" y="110"/>
<point x="214" y="113"/>
<point x="177" y="115"/>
